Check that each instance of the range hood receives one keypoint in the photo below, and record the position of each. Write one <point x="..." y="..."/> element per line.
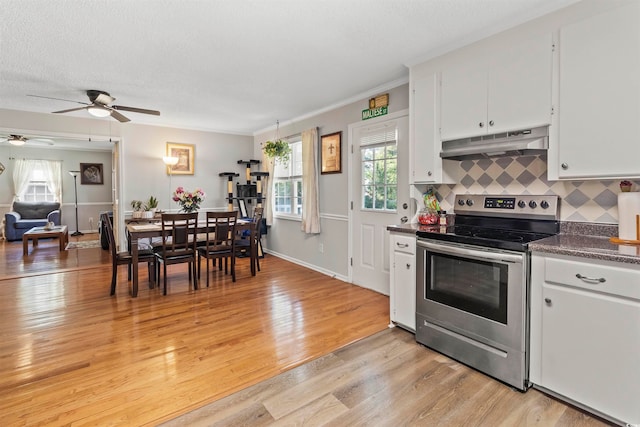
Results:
<point x="517" y="143"/>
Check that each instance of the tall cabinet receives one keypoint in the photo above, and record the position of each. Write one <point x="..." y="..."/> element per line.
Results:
<point x="425" y="146"/>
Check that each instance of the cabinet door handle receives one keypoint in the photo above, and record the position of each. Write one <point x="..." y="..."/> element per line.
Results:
<point x="408" y="266"/>
<point x="402" y="245"/>
<point x="481" y="124"/>
<point x="564" y="166"/>
<point x="591" y="279"/>
<point x="490" y="122"/>
<point x="404" y="219"/>
<point x="547" y="301"/>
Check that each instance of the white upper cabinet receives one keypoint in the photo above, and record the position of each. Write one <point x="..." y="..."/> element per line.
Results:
<point x="598" y="133"/>
<point x="507" y="87"/>
<point x="425" y="146"/>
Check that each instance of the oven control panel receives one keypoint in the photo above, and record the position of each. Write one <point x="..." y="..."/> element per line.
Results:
<point x="523" y="206"/>
<point x="499" y="202"/>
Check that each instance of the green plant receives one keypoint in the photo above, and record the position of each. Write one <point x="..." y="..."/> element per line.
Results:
<point x="278" y="150"/>
<point x="136" y="205"/>
<point x="152" y="203"/>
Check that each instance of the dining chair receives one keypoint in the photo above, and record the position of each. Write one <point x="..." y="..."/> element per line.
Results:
<point x="219" y="244"/>
<point x="125" y="258"/>
<point x="248" y="244"/>
<point x="178" y="244"/>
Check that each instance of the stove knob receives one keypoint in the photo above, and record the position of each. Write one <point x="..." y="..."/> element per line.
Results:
<point x="532" y="204"/>
<point x="460" y="202"/>
<point x="544" y="204"/>
<point x="522" y="204"/>
<point x="469" y="202"/>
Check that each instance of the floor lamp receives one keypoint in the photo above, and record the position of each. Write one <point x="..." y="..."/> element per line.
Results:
<point x="74" y="174"/>
<point x="170" y="162"/>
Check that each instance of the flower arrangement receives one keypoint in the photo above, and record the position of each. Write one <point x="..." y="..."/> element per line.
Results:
<point x="278" y="149"/>
<point x="189" y="201"/>
<point x="625" y="186"/>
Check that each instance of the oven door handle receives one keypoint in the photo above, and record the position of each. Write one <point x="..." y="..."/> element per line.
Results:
<point x="460" y="251"/>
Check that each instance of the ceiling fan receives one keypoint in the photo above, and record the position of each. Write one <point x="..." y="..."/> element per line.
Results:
<point x="21" y="140"/>
<point x="99" y="106"/>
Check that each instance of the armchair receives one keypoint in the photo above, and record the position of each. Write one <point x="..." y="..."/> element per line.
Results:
<point x="26" y="215"/>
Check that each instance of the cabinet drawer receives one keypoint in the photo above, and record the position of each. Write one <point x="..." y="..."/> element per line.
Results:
<point x="624" y="282"/>
<point x="403" y="243"/>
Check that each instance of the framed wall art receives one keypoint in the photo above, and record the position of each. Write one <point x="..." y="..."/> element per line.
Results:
<point x="185" y="155"/>
<point x="91" y="174"/>
<point x="330" y="153"/>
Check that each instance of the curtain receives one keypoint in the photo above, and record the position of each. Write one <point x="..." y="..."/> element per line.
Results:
<point x="53" y="174"/>
<point x="267" y="189"/>
<point x="22" y="171"/>
<point x="310" y="199"/>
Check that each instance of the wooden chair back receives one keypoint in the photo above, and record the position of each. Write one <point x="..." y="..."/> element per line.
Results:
<point x="178" y="234"/>
<point x="221" y="229"/>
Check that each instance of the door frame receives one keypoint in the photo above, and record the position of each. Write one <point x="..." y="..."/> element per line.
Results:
<point x="350" y="177"/>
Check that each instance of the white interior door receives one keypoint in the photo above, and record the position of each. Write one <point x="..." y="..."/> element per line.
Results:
<point x="379" y="195"/>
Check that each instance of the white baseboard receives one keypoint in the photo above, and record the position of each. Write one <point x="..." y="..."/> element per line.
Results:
<point x="309" y="266"/>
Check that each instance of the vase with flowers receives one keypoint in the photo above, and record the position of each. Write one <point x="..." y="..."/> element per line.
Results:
<point x="189" y="201"/>
<point x="625" y="186"/>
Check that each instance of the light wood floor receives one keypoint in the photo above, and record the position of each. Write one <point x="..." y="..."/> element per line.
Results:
<point x="384" y="380"/>
<point x="72" y="355"/>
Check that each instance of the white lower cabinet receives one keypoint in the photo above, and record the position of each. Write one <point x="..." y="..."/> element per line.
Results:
<point x="403" y="280"/>
<point x="585" y="333"/>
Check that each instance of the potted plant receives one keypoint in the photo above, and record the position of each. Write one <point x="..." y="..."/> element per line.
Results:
<point x="278" y="150"/>
<point x="137" y="208"/>
<point x="625" y="186"/>
<point x="150" y="206"/>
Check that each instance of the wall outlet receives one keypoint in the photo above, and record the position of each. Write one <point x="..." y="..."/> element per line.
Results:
<point x="321" y="248"/>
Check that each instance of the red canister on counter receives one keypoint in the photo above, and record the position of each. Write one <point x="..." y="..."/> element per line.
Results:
<point x="427" y="217"/>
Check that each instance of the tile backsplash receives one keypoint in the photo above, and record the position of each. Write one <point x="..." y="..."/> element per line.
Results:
<point x="582" y="201"/>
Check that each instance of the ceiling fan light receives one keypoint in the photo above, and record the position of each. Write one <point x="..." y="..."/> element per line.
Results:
<point x="98" y="111"/>
<point x="16" y="141"/>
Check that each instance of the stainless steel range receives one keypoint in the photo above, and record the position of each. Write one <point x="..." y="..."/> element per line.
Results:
<point x="473" y="282"/>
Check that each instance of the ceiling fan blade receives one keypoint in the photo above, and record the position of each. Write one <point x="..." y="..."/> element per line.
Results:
<point x="70" y="110"/>
<point x="41" y="141"/>
<point x="59" y="99"/>
<point x="136" y="110"/>
<point x="119" y="117"/>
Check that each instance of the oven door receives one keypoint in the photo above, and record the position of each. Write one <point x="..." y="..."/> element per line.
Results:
<point x="473" y="291"/>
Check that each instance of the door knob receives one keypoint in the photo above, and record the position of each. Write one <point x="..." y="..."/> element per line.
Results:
<point x="404" y="219"/>
<point x="405" y="206"/>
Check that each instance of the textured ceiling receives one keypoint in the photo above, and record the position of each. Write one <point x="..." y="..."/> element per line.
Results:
<point x="234" y="66"/>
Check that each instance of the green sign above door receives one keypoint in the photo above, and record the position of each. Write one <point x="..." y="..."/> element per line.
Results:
<point x="374" y="112"/>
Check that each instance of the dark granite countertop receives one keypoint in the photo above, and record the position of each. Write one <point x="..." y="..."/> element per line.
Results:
<point x="584" y="240"/>
<point x="593" y="247"/>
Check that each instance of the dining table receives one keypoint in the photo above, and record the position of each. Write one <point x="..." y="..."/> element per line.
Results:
<point x="149" y="228"/>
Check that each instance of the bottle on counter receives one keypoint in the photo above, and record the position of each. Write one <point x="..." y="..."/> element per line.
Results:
<point x="442" y="218"/>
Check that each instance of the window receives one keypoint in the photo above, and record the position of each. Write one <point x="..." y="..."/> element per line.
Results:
<point x="379" y="157"/>
<point x="287" y="184"/>
<point x="38" y="188"/>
